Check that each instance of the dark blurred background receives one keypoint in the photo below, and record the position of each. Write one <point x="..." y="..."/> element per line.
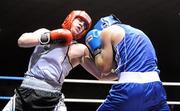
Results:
<point x="159" y="19"/>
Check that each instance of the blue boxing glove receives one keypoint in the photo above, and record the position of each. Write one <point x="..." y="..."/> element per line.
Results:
<point x="93" y="41"/>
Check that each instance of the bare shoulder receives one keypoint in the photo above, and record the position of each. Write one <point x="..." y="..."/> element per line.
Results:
<point x="114" y="32"/>
<point x="78" y="46"/>
<point x="77" y="50"/>
<point x="114" y="29"/>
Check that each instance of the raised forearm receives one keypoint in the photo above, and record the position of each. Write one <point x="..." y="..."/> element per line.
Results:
<point x="31" y="39"/>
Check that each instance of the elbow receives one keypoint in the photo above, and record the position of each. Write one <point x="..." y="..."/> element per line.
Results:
<point x="103" y="68"/>
<point x="20" y="42"/>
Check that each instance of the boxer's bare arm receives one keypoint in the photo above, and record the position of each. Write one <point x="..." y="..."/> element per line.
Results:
<point x="31" y="39"/>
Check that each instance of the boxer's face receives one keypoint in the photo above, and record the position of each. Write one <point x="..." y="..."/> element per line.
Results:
<point x="78" y="26"/>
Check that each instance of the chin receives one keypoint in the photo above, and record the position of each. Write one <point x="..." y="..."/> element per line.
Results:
<point x="74" y="33"/>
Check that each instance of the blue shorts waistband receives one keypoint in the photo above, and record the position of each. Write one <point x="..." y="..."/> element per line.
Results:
<point x="138" y="77"/>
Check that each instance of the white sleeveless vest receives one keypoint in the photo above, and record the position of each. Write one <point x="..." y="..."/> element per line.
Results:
<point x="50" y="63"/>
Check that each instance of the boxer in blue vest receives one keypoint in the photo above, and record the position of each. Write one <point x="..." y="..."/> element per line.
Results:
<point x="139" y="87"/>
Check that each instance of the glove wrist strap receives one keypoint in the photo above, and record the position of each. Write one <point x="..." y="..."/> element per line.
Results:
<point x="45" y="38"/>
<point x="96" y="52"/>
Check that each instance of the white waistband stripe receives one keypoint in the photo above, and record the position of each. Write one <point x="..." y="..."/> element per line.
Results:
<point x="138" y="77"/>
